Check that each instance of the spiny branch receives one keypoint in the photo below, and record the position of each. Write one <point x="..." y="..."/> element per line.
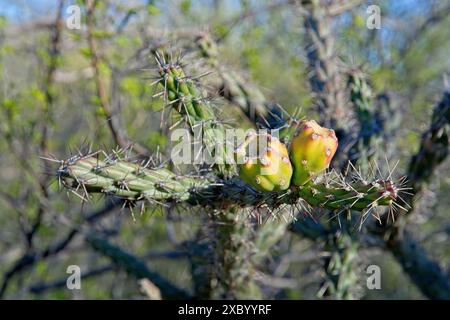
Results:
<point x="183" y="95"/>
<point x="433" y="150"/>
<point x="241" y="93"/>
<point x="434" y="145"/>
<point x="134" y="181"/>
<point x="30" y="258"/>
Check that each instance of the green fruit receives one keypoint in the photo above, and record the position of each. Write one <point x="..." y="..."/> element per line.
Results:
<point x="271" y="170"/>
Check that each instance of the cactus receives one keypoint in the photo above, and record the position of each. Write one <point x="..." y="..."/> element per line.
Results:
<point x="341" y="267"/>
<point x="240" y="92"/>
<point x="312" y="149"/>
<point x="133" y="182"/>
<point x="124" y="179"/>
<point x="242" y="247"/>
<point x="371" y="127"/>
<point x="434" y="147"/>
<point x="225" y="193"/>
<point x="324" y="66"/>
<point x="269" y="172"/>
<point x="183" y="95"/>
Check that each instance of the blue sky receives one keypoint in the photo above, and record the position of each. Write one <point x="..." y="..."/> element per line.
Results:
<point x="24" y="10"/>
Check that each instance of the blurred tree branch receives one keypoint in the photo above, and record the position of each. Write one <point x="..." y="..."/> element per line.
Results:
<point x="436" y="17"/>
<point x="49" y="92"/>
<point x="41" y="287"/>
<point x="135" y="267"/>
<point x="29" y="258"/>
<point x="112" y="117"/>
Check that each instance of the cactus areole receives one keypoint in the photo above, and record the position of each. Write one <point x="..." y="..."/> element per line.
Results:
<point x="312" y="149"/>
<point x="269" y="168"/>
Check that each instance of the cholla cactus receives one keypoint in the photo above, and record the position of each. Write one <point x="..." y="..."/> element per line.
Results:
<point x="234" y="239"/>
<point x="240" y="92"/>
<point x="341" y="267"/>
<point x="133" y="181"/>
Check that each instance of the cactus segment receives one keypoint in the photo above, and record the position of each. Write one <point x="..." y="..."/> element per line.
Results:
<point x="356" y="196"/>
<point x="269" y="171"/>
<point x="126" y="180"/>
<point x="240" y="92"/>
<point x="185" y="97"/>
<point x="312" y="149"/>
<point x="183" y="93"/>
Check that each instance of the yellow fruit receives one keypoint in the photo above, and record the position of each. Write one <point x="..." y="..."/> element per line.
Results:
<point x="312" y="149"/>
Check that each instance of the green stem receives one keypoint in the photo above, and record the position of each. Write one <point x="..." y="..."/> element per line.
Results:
<point x="133" y="182"/>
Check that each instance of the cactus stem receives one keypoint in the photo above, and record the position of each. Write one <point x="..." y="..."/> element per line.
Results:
<point x="116" y="176"/>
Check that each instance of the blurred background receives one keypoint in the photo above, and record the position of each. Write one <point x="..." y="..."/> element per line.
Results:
<point x="64" y="87"/>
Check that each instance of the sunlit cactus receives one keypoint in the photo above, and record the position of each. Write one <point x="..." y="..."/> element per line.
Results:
<point x="273" y="170"/>
<point x="273" y="178"/>
<point x="166" y="150"/>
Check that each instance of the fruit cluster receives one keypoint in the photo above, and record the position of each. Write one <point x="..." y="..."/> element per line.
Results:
<point x="275" y="169"/>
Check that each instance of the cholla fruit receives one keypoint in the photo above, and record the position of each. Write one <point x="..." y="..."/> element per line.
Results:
<point x="312" y="149"/>
<point x="271" y="169"/>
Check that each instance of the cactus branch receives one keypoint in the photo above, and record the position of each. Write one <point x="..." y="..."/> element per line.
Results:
<point x="356" y="196"/>
<point x="433" y="150"/>
<point x="426" y="273"/>
<point x="434" y="146"/>
<point x="378" y="121"/>
<point x="133" y="181"/>
<point x="183" y="94"/>
<point x="370" y="129"/>
<point x="241" y="93"/>
<point x="341" y="266"/>
<point x="326" y="76"/>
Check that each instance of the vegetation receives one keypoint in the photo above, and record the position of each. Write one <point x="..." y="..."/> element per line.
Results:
<point x="357" y="123"/>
